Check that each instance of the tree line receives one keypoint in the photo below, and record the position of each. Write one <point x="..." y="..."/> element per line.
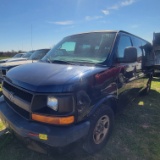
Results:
<point x="10" y="53"/>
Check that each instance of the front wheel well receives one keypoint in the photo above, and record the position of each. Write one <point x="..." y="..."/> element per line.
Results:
<point x="112" y="102"/>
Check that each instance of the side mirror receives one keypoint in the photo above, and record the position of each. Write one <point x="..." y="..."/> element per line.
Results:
<point x="130" y="55"/>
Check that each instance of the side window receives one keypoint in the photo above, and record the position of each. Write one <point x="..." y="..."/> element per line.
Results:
<point x="146" y="47"/>
<point x="148" y="54"/>
<point x="123" y="43"/>
<point x="138" y="44"/>
<point x="69" y="47"/>
<point x="143" y="48"/>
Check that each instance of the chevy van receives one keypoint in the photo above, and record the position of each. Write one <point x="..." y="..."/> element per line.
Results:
<point x="75" y="91"/>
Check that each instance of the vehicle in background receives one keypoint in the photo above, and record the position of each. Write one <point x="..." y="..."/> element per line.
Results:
<point x="156" y="48"/>
<point x="25" y="56"/>
<point x="29" y="57"/>
<point x="75" y="91"/>
<point x="38" y="54"/>
<point x="17" y="57"/>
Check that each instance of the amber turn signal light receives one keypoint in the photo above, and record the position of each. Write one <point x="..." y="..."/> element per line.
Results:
<point x="53" y="120"/>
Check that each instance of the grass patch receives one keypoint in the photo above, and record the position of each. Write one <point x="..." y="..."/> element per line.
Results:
<point x="1" y="125"/>
<point x="136" y="135"/>
<point x="4" y="57"/>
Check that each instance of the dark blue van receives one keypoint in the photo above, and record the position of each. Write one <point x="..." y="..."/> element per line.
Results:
<point x="74" y="92"/>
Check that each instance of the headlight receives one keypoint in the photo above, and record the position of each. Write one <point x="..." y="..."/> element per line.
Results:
<point x="52" y="103"/>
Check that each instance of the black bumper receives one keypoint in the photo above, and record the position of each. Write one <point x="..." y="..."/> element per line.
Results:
<point x="54" y="136"/>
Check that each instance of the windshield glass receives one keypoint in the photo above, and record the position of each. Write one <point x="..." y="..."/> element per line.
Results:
<point x="39" y="54"/>
<point x="27" y="55"/>
<point x="88" y="47"/>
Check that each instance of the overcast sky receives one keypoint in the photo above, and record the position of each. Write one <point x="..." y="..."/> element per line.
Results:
<point x="36" y="24"/>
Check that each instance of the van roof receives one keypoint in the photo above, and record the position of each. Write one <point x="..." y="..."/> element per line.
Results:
<point x="111" y="31"/>
<point x="99" y="31"/>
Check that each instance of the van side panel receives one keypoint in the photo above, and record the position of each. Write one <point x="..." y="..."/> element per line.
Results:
<point x="132" y="80"/>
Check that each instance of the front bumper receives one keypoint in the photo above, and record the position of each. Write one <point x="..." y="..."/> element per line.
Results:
<point x="54" y="136"/>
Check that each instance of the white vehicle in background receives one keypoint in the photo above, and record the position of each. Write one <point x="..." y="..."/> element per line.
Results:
<point x="29" y="57"/>
<point x="17" y="57"/>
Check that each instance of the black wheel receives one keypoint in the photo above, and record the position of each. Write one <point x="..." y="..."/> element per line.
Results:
<point x="101" y="126"/>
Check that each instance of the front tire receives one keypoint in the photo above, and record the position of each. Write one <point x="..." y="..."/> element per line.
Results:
<point x="100" y="129"/>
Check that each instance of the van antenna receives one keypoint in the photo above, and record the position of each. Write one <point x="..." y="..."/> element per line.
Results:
<point x="31" y="38"/>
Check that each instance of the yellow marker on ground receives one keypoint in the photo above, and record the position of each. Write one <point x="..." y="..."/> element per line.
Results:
<point x="43" y="136"/>
<point x="141" y="103"/>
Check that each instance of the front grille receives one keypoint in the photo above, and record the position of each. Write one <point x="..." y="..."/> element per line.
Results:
<point x="18" y="92"/>
<point x="17" y="109"/>
<point x="24" y="102"/>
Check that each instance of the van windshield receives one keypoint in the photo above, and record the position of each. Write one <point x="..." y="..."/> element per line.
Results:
<point x="82" y="48"/>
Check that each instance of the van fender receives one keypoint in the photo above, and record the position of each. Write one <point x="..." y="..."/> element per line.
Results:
<point x="109" y="101"/>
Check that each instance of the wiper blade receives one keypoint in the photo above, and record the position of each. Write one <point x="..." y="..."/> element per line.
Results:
<point x="48" y="60"/>
<point x="60" y="61"/>
<point x="84" y="62"/>
<point x="101" y="65"/>
<point x="55" y="61"/>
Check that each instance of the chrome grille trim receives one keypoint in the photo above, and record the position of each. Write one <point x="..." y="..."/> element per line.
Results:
<point x="16" y="100"/>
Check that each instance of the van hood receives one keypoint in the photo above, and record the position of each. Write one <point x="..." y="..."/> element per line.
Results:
<point x="47" y="77"/>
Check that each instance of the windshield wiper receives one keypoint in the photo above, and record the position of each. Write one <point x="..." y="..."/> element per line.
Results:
<point x="54" y="61"/>
<point x="59" y="61"/>
<point x="100" y="64"/>
<point x="48" y="60"/>
<point x="84" y="62"/>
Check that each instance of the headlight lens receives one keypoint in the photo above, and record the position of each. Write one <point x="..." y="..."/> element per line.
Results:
<point x="52" y="103"/>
